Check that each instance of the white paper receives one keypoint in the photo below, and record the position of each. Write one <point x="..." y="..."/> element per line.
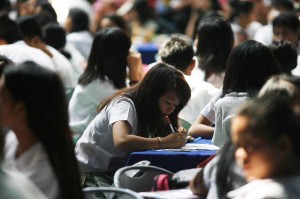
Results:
<point x="192" y="147"/>
<point x="171" y="194"/>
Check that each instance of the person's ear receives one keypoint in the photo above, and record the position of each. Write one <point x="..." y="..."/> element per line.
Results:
<point x="284" y="145"/>
<point x="190" y="68"/>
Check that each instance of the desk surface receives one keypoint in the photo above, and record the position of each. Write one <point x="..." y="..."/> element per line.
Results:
<point x="173" y="160"/>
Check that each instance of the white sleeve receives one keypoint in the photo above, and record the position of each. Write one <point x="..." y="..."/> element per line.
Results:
<point x="209" y="110"/>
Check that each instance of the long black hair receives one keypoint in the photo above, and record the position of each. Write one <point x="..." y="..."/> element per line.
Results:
<point x="215" y="42"/>
<point x="43" y="95"/>
<point x="108" y="58"/>
<point x="249" y="66"/>
<point x="145" y="95"/>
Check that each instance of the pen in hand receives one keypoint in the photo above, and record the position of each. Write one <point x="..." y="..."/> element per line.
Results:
<point x="170" y="124"/>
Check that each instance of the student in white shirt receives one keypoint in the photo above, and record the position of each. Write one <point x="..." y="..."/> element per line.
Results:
<point x="248" y="67"/>
<point x="40" y="145"/>
<point x="32" y="35"/>
<point x="105" y="74"/>
<point x="214" y="42"/>
<point x="133" y="119"/>
<point x="77" y="27"/>
<point x="13" y="47"/>
<point x="223" y="174"/>
<point x="266" y="137"/>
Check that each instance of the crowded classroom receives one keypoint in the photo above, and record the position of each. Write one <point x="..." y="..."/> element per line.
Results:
<point x="150" y="99"/>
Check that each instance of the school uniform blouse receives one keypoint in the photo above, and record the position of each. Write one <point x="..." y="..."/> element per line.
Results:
<point x="14" y="184"/>
<point x="20" y="52"/>
<point x="84" y="101"/>
<point x="34" y="164"/>
<point x="82" y="40"/>
<point x="225" y="107"/>
<point x="209" y="110"/>
<point x="95" y="150"/>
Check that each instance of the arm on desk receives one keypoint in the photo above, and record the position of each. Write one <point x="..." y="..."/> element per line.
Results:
<point x="127" y="142"/>
<point x="201" y="127"/>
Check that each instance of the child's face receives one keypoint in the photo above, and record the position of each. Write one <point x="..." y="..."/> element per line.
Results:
<point x="257" y="156"/>
<point x="168" y="102"/>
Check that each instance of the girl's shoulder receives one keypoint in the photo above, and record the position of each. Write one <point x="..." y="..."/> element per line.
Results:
<point x="121" y="100"/>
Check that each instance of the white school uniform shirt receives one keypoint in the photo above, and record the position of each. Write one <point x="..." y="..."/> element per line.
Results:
<point x="20" y="52"/>
<point x="95" y="150"/>
<point x="63" y="68"/>
<point x="82" y="40"/>
<point x="34" y="164"/>
<point x="224" y="108"/>
<point x="280" y="188"/>
<point x="209" y="110"/>
<point x="77" y="60"/>
<point x="14" y="184"/>
<point x="264" y="34"/>
<point x="201" y="93"/>
<point x="84" y="102"/>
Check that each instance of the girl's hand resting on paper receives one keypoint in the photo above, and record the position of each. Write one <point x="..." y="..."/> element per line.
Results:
<point x="175" y="140"/>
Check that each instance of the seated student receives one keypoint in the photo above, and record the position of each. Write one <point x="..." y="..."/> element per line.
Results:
<point x="285" y="55"/>
<point x="32" y="35"/>
<point x="214" y="42"/>
<point x="104" y="75"/>
<point x="13" y="47"/>
<point x="248" y="67"/>
<point x="133" y="119"/>
<point x="39" y="145"/>
<point x="266" y="137"/>
<point x="222" y="174"/>
<point x="77" y="27"/>
<point x="14" y="184"/>
<point x="55" y="36"/>
<point x="178" y="51"/>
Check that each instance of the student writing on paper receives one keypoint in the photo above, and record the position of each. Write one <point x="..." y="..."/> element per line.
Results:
<point x="133" y="120"/>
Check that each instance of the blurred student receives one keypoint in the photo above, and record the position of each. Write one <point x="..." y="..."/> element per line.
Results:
<point x="285" y="55"/>
<point x="32" y="35"/>
<point x="214" y="42"/>
<point x="55" y="36"/>
<point x="39" y="145"/>
<point x="14" y="184"/>
<point x="222" y="174"/>
<point x="266" y="137"/>
<point x="133" y="119"/>
<point x="77" y="27"/>
<point x="286" y="27"/>
<point x="14" y="47"/>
